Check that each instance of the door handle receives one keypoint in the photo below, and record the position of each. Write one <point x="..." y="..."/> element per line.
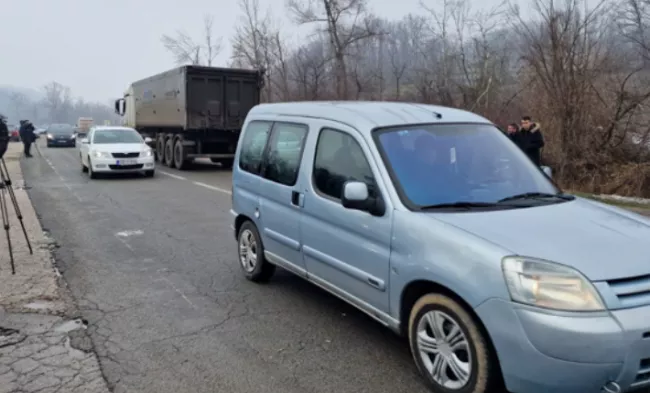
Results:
<point x="295" y="198"/>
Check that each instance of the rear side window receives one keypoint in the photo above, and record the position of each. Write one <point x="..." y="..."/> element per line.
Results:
<point x="339" y="158"/>
<point x="282" y="162"/>
<point x="253" y="143"/>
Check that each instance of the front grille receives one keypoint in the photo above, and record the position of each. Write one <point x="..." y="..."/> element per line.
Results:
<point x="126" y="155"/>
<point x="126" y="167"/>
<point x="643" y="375"/>
<point x="632" y="292"/>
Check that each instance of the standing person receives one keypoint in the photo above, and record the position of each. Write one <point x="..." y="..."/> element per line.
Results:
<point x="531" y="140"/>
<point x="27" y="136"/>
<point x="512" y="132"/>
<point x="4" y="135"/>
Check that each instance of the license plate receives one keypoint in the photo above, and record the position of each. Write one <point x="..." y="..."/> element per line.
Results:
<point x="126" y="162"/>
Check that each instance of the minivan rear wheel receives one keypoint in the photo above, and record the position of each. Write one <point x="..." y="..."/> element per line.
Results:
<point x="449" y="348"/>
<point x="251" y="254"/>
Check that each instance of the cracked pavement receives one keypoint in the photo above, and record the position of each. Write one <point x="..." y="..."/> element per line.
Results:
<point x="42" y="347"/>
<point x="152" y="266"/>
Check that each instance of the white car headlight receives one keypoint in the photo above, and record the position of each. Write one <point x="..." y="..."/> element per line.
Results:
<point x="50" y="136"/>
<point x="146" y="153"/>
<point x="100" y="154"/>
<point x="549" y="285"/>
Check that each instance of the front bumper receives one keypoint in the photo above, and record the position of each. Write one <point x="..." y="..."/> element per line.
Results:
<point x="62" y="142"/>
<point x="122" y="165"/>
<point x="566" y="352"/>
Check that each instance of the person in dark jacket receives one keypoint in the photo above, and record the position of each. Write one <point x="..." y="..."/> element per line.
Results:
<point x="530" y="139"/>
<point x="27" y="136"/>
<point x="512" y="132"/>
<point x="4" y="135"/>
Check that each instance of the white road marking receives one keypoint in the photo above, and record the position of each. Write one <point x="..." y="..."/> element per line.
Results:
<point x="198" y="183"/>
<point x="122" y="235"/>
<point x="171" y="284"/>
<point x="127" y="245"/>
<point x="58" y="174"/>
<point x="129" y="233"/>
<point x="172" y="175"/>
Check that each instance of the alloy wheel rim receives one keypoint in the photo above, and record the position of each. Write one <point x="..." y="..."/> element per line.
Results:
<point x="248" y="251"/>
<point x="444" y="350"/>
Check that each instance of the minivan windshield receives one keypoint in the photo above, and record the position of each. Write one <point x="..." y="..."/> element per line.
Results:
<point x="116" y="136"/>
<point x="450" y="163"/>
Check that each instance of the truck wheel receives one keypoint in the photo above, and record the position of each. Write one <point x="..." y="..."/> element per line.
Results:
<point x="179" y="158"/>
<point x="160" y="149"/>
<point x="169" y="153"/>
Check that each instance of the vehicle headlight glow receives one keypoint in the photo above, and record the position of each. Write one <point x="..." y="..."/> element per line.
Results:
<point x="50" y="136"/>
<point x="549" y="285"/>
<point x="100" y="154"/>
<point x="146" y="153"/>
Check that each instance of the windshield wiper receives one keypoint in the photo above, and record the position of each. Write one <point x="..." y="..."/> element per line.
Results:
<point x="460" y="204"/>
<point x="537" y="195"/>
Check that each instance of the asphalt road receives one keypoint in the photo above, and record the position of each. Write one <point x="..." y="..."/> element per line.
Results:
<point x="152" y="264"/>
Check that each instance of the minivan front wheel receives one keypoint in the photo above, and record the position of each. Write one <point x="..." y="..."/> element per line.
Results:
<point x="251" y="254"/>
<point x="449" y="348"/>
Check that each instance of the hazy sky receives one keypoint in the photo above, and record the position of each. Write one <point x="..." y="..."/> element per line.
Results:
<point x="97" y="47"/>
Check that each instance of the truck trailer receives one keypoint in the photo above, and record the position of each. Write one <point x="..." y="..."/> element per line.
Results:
<point x="192" y="112"/>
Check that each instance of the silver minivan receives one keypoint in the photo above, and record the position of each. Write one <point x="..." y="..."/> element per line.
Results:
<point x="434" y="223"/>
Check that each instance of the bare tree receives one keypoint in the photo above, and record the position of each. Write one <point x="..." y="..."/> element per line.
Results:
<point x="256" y="44"/>
<point x="346" y="22"/>
<point x="20" y="103"/>
<point x="58" y="101"/>
<point x="186" y="51"/>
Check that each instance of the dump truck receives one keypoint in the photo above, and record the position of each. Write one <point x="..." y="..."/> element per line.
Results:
<point x="192" y="112"/>
<point x="83" y="125"/>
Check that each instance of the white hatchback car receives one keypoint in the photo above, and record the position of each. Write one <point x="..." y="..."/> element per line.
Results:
<point x="110" y="149"/>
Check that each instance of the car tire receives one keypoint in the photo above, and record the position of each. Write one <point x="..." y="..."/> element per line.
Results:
<point x="150" y="173"/>
<point x="91" y="173"/>
<point x="250" y="253"/>
<point x="470" y="368"/>
<point x="84" y="169"/>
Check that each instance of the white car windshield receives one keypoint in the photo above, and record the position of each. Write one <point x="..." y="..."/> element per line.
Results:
<point x="450" y="163"/>
<point x="116" y="136"/>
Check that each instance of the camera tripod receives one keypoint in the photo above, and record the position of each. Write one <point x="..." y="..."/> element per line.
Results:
<point x="6" y="189"/>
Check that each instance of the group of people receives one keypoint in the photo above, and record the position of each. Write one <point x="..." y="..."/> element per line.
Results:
<point x="27" y="135"/>
<point x="528" y="136"/>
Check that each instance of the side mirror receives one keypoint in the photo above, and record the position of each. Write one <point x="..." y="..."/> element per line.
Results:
<point x="120" y="106"/>
<point x="547" y="171"/>
<point x="357" y="197"/>
<point x="148" y="140"/>
<point x="84" y="141"/>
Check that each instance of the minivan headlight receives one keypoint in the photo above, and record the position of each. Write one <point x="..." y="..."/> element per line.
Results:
<point x="549" y="285"/>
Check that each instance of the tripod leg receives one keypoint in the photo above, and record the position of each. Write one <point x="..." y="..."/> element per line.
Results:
<point x="4" y="175"/>
<point x="5" y="222"/>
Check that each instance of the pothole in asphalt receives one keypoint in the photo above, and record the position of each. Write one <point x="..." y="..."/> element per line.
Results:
<point x="5" y="332"/>
<point x="68" y="326"/>
<point x="10" y="336"/>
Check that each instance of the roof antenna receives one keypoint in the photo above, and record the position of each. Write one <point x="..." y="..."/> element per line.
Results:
<point x="424" y="108"/>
